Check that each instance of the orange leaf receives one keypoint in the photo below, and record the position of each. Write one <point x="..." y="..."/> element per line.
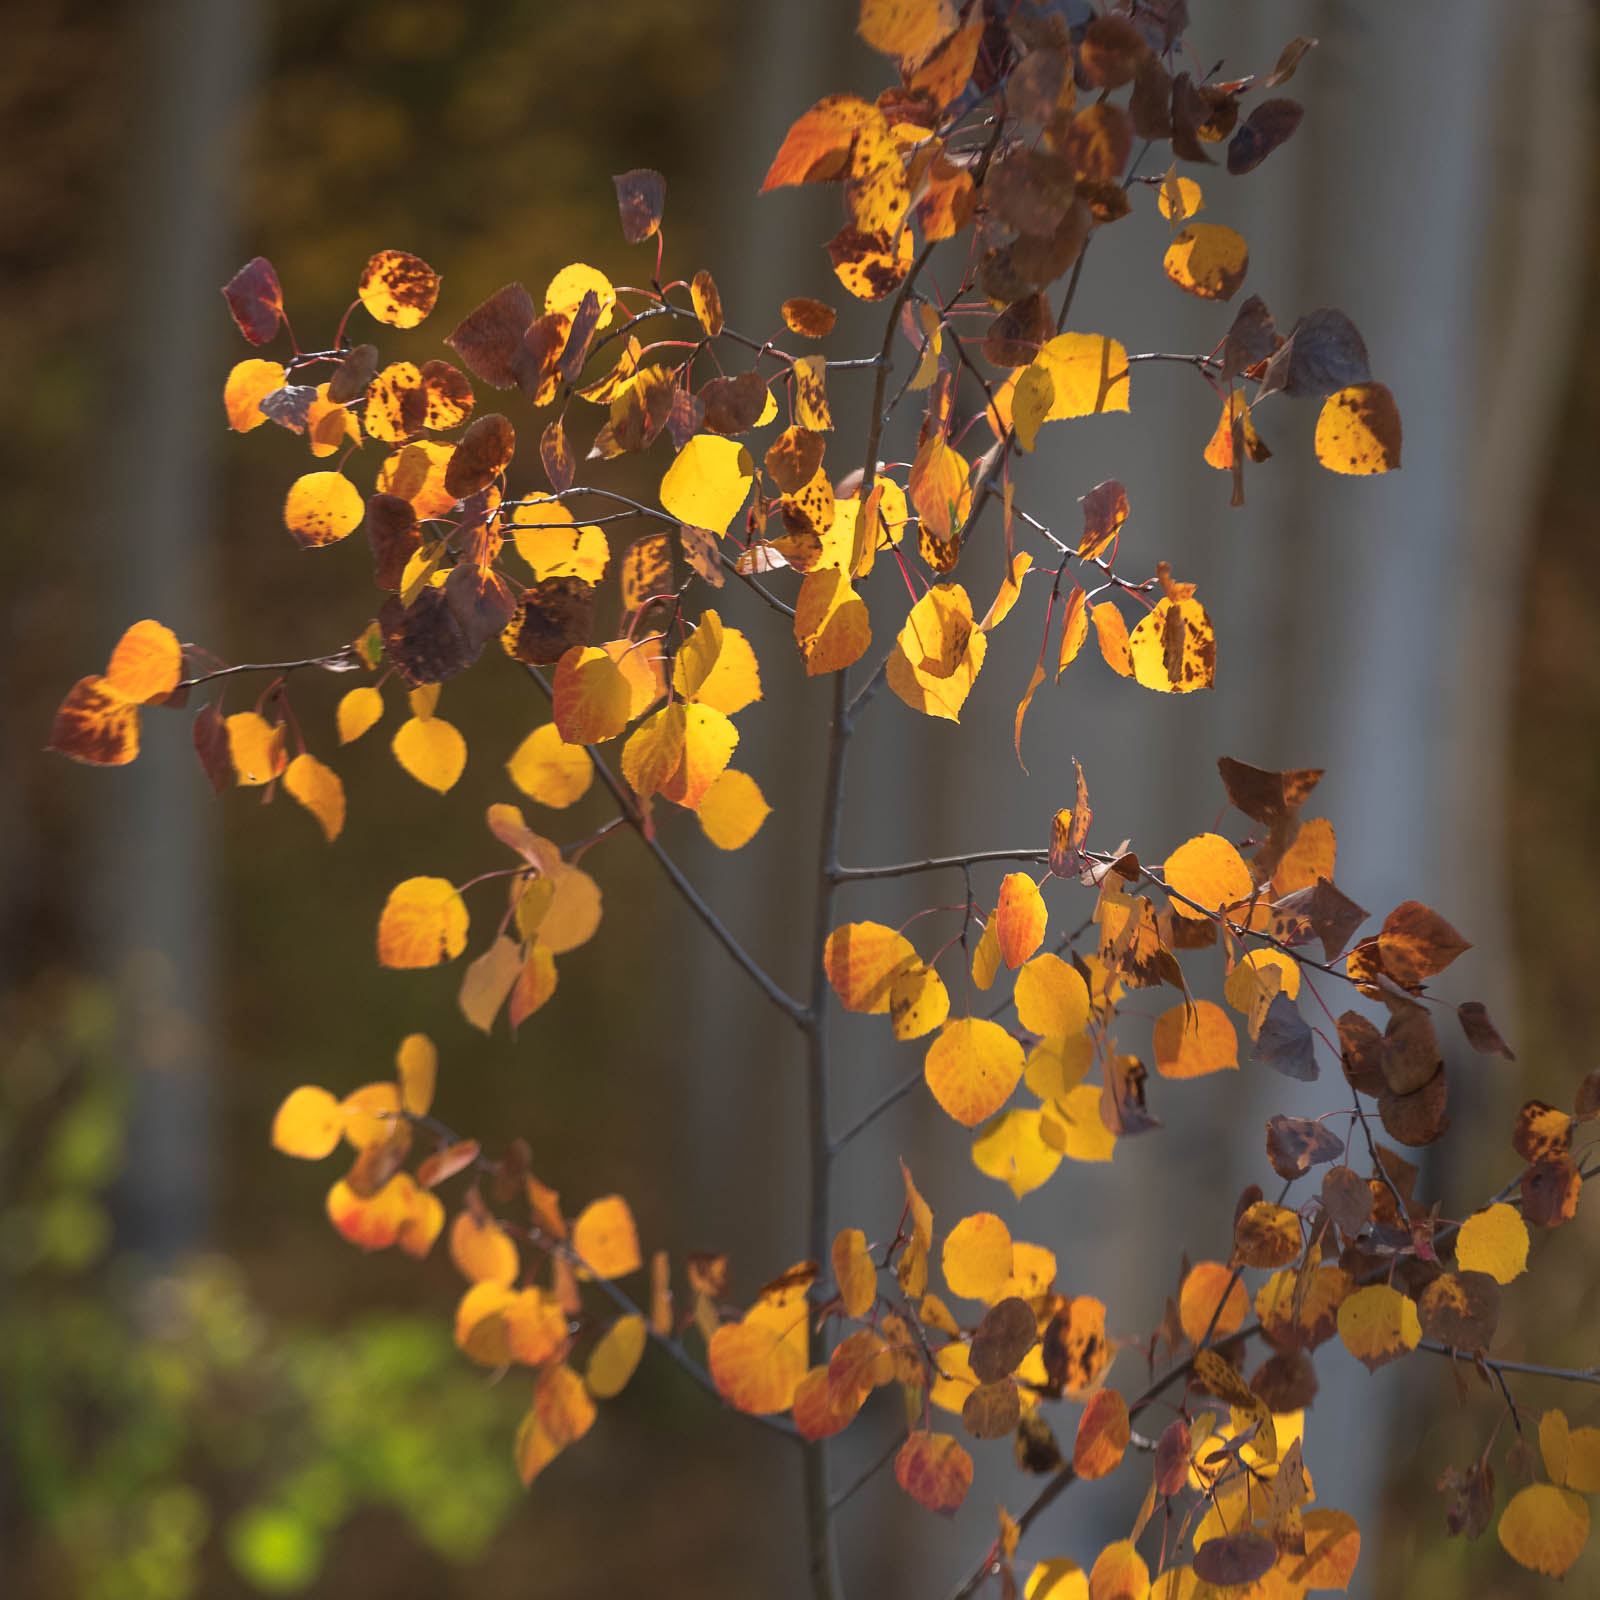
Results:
<point x="318" y="788"/>
<point x="482" y="1251"/>
<point x="248" y="385"/>
<point x="817" y="145"/>
<point x="424" y="922"/>
<point x="97" y="725"/>
<point x="1020" y="918"/>
<point x="1210" y="872"/>
<point x="1119" y="1573"/>
<point x="934" y="1470"/>
<point x="416" y="1065"/>
<point x="977" y="1256"/>
<point x="146" y="663"/>
<point x="1103" y="1434"/>
<point x="606" y="1239"/>
<point x="854" y="1272"/>
<point x="1112" y="633"/>
<point x="256" y="748"/>
<point x="862" y="960"/>
<point x="1192" y="1040"/>
<point x="592" y="699"/>
<point x="755" y="1365"/>
<point x="1198" y="1300"/>
<point x="562" y="1404"/>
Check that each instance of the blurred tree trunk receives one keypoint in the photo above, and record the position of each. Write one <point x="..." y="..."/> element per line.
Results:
<point x="155" y="516"/>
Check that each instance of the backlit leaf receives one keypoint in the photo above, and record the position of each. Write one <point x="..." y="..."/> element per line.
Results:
<point x="934" y="1470"/>
<point x="1119" y="1573"/>
<point x="817" y="145"/>
<point x="1020" y="919"/>
<point x="708" y="483"/>
<point x="318" y="788"/>
<point x="1544" y="1528"/>
<point x="358" y="710"/>
<point x="397" y="288"/>
<point x="605" y="1238"/>
<point x="1173" y="650"/>
<point x="616" y="1357"/>
<point x="1058" y="1579"/>
<point x="1052" y="998"/>
<point x="1012" y="1149"/>
<point x="255" y="299"/>
<point x="732" y="809"/>
<point x="322" y="508"/>
<point x="977" y="1256"/>
<point x="870" y="265"/>
<point x="1494" y="1241"/>
<point x="431" y="750"/>
<point x="918" y="1002"/>
<point x="1073" y="1125"/>
<point x="971" y="1069"/>
<point x="905" y="27"/>
<point x="256" y="748"/>
<point x="1358" y="431"/>
<point x="1192" y="1040"/>
<point x="1208" y="260"/>
<point x="482" y="1251"/>
<point x="641" y="200"/>
<point x="424" y="922"/>
<point x="146" y="663"/>
<point x="811" y="319"/>
<point x="249" y="383"/>
<point x="550" y="539"/>
<point x="862" y="960"/>
<point x="1208" y="871"/>
<point x="1089" y="374"/>
<point x="1378" y="1325"/>
<point x="854" y="1274"/>
<point x="1415" y="942"/>
<point x="1103" y="1434"/>
<point x="592" y="699"/>
<point x="938" y="653"/>
<point x="1200" y="1296"/>
<point x="562" y="1404"/>
<point x="1112" y="633"/>
<point x="548" y="769"/>
<point x="488" y="981"/>
<point x="308" y="1124"/>
<point x="831" y="625"/>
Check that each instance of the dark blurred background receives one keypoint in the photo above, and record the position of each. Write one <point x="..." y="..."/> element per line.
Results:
<point x="204" y="1391"/>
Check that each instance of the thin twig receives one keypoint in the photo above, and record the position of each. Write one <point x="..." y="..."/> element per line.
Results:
<point x="904" y="869"/>
<point x="1529" y="1368"/>
<point x="867" y="1474"/>
<point x="865" y="1121"/>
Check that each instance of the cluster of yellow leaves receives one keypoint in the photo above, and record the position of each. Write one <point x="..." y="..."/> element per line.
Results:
<point x="1546" y="1525"/>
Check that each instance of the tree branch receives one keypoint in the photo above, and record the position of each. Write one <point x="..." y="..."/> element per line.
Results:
<point x="629" y="808"/>
<point x="904" y="869"/>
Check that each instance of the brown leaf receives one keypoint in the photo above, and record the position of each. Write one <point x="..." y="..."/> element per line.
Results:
<point x="992" y="1410"/>
<point x="1288" y="59"/>
<point x="393" y="535"/>
<point x="211" y="746"/>
<point x="1003" y="1338"/>
<point x="641" y="200"/>
<point x="1480" y="1030"/>
<point x="1268" y="125"/>
<point x="1415" y="942"/>
<point x="425" y="642"/>
<point x="1550" y="1191"/>
<point x="1014" y="337"/>
<point x="1460" y="1309"/>
<point x="1418" y="1117"/>
<point x="732" y="405"/>
<point x="555" y="615"/>
<point x="352" y="376"/>
<point x="1347" y="1199"/>
<point x="1287" y="1381"/>
<point x="489" y="339"/>
<point x="255" y="299"/>
<point x="1297" y="1144"/>
<point x="1323" y="354"/>
<point x="1235" y="1559"/>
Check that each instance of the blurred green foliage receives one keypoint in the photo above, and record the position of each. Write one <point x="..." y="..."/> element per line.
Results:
<point x="148" y="1416"/>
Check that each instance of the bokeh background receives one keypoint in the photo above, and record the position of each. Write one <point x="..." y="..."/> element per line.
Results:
<point x="202" y="1390"/>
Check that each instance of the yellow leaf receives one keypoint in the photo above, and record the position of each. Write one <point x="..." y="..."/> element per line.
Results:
<point x="424" y="922"/>
<point x="733" y="680"/>
<point x="709" y="740"/>
<point x="654" y="750"/>
<point x="971" y="1069"/>
<point x="308" y="1124"/>
<point x="1031" y="399"/>
<point x="357" y="712"/>
<point x="1088" y="375"/>
<point x="831" y="625"/>
<point x="854" y="1274"/>
<point x="416" y="1067"/>
<point x="1119" y="1573"/>
<point x="906" y="27"/>
<point x="1178" y="198"/>
<point x="938" y="654"/>
<point x="1208" y="260"/>
<point x="1494" y="1241"/>
<point x="863" y="960"/>
<point x="1057" y="1579"/>
<point x="732" y="810"/>
<point x="615" y="1358"/>
<point x="322" y="508"/>
<point x="488" y="981"/>
<point x="1358" y="431"/>
<point x="482" y="1251"/>
<point x="1583" y="1460"/>
<point x="562" y="1404"/>
<point x="248" y="385"/>
<point x="318" y="789"/>
<point x="416" y="473"/>
<point x="329" y="425"/>
<point x="977" y="1256"/>
<point x="371" y="1114"/>
<point x="1056" y="1066"/>
<point x="1378" y="1325"/>
<point x="1208" y="870"/>
<point x="1192" y="1040"/>
<point x="605" y="1238"/>
<point x="548" y="769"/>
<point x="1073" y="1126"/>
<point x="397" y="288"/>
<point x="986" y="956"/>
<point x="1174" y="648"/>
<point x="918" y="1002"/>
<point x="708" y="483"/>
<point x="571" y="284"/>
<point x="1544" y="1528"/>
<point x="1052" y="998"/>
<point x="256" y="748"/>
<point x="573" y="913"/>
<point x="549" y="538"/>
<point x="431" y="750"/>
<point x="1554" y="1441"/>
<point x="1013" y="1150"/>
<point x="592" y="698"/>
